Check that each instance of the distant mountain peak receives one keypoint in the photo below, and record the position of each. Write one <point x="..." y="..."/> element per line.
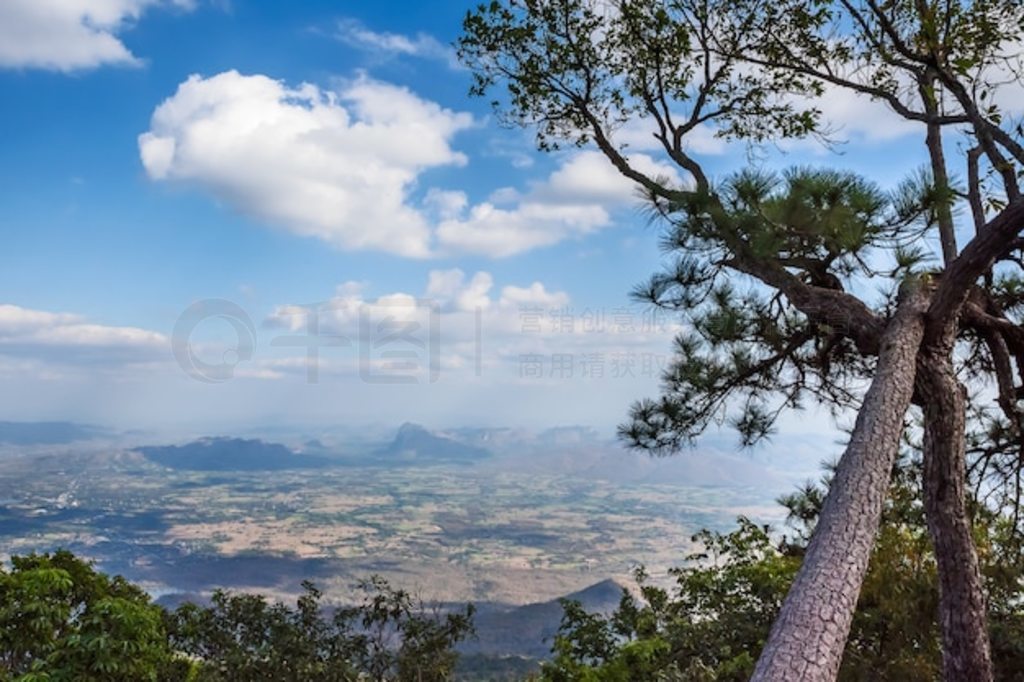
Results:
<point x="600" y="593"/>
<point x="410" y="429"/>
<point x="415" y="442"/>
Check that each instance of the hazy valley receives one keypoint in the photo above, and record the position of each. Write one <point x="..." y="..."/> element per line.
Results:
<point x="473" y="515"/>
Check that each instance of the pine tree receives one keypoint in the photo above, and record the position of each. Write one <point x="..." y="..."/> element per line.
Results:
<point x="777" y="277"/>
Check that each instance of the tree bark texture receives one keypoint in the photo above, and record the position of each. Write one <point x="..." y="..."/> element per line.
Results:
<point x="809" y="635"/>
<point x="966" y="654"/>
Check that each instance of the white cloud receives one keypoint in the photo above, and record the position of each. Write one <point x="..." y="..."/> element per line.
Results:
<point x="575" y="200"/>
<point x="474" y="328"/>
<point x="1006" y="73"/>
<point x="450" y="286"/>
<point x="638" y="135"/>
<point x="342" y="167"/>
<point x="848" y="115"/>
<point x="534" y="295"/>
<point x="503" y="356"/>
<point x="65" y="35"/>
<point x="62" y="337"/>
<point x="857" y="117"/>
<point x="589" y="178"/>
<point x="488" y="229"/>
<point x="517" y="149"/>
<point x="334" y="166"/>
<point x="444" y="283"/>
<point x="353" y="33"/>
<point x="445" y="204"/>
<point x="501" y="196"/>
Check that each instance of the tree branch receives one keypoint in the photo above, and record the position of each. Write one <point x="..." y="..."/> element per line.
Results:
<point x="992" y="242"/>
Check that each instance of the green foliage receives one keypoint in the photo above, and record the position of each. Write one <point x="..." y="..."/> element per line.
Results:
<point x="714" y="621"/>
<point x="747" y="354"/>
<point x="397" y="635"/>
<point x="568" y="64"/>
<point x="783" y="283"/>
<point x="709" y="627"/>
<point x="62" y="620"/>
<point x="388" y="636"/>
<point x="243" y="637"/>
<point x="577" y="72"/>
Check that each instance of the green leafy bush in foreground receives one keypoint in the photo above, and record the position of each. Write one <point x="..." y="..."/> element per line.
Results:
<point x="712" y="624"/>
<point x="61" y="620"/>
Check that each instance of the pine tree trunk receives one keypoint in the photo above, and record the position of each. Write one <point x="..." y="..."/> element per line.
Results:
<point x="807" y="639"/>
<point x="966" y="655"/>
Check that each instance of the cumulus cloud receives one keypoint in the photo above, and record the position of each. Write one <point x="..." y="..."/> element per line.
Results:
<point x="852" y="116"/>
<point x="575" y="200"/>
<point x="469" y="326"/>
<point x="337" y="166"/>
<point x="65" y="35"/>
<point x="455" y="293"/>
<point x="67" y="338"/>
<point x="343" y="167"/>
<point x="534" y="295"/>
<point x="448" y="293"/>
<point x="451" y="287"/>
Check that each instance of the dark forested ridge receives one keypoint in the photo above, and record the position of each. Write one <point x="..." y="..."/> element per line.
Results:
<point x="230" y="454"/>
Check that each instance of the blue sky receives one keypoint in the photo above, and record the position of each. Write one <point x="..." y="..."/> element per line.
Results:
<point x="316" y="156"/>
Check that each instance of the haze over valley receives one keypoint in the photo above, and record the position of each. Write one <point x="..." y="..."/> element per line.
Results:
<point x="475" y="514"/>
